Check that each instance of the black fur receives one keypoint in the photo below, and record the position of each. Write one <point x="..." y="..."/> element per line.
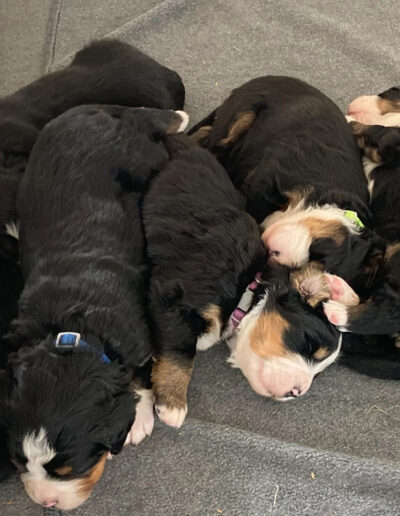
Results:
<point x="11" y="284"/>
<point x="82" y="253"/>
<point x="298" y="141"/>
<point x="205" y="249"/>
<point x="104" y="72"/>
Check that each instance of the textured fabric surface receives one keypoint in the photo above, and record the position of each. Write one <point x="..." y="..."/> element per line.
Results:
<point x="335" y="452"/>
<point x="23" y="42"/>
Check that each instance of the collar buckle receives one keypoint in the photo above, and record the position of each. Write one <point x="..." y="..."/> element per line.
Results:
<point x="68" y="340"/>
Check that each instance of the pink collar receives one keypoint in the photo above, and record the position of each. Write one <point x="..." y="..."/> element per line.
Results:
<point x="245" y="302"/>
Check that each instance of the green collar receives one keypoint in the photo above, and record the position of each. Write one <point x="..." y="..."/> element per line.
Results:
<point x="352" y="215"/>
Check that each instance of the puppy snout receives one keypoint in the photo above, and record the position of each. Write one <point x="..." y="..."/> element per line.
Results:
<point x="294" y="393"/>
<point x="49" y="503"/>
<point x="283" y="385"/>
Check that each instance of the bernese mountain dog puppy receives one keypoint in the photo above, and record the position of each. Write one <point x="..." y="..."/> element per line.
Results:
<point x="289" y="150"/>
<point x="375" y="122"/>
<point x="81" y="339"/>
<point x="104" y="72"/>
<point x="210" y="280"/>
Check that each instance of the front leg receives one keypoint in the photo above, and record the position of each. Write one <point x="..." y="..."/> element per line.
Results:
<point x="171" y="376"/>
<point x="144" y="414"/>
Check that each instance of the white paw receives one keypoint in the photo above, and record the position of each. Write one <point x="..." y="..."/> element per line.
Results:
<point x="109" y="456"/>
<point x="144" y="418"/>
<point x="336" y="313"/>
<point x="171" y="416"/>
<point x="350" y="119"/>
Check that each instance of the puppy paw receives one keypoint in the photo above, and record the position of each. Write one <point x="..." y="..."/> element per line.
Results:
<point x="144" y="418"/>
<point x="171" y="416"/>
<point x="341" y="291"/>
<point x="336" y="313"/>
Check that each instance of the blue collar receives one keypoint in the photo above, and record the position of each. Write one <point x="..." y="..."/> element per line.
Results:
<point x="70" y="340"/>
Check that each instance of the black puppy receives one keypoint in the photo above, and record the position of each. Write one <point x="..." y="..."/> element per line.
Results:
<point x="287" y="147"/>
<point x="104" y="72"/>
<point x="81" y="335"/>
<point x="210" y="280"/>
<point x="380" y="143"/>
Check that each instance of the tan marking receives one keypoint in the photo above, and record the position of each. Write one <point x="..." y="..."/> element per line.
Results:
<point x="87" y="483"/>
<point x="360" y="131"/>
<point x="321" y="353"/>
<point x="391" y="250"/>
<point x="170" y="381"/>
<point x="63" y="470"/>
<point x="372" y="153"/>
<point x="320" y="228"/>
<point x="311" y="283"/>
<point x="201" y="134"/>
<point x="212" y="314"/>
<point x="250" y="176"/>
<point x="240" y="126"/>
<point x="295" y="197"/>
<point x="388" y="106"/>
<point x="266" y="339"/>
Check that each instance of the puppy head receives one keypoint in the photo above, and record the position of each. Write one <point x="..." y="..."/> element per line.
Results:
<point x="285" y="340"/>
<point x="325" y="232"/>
<point x="130" y="140"/>
<point x="61" y="416"/>
<point x="382" y="109"/>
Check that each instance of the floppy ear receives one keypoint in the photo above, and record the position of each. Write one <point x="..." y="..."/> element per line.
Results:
<point x="113" y="423"/>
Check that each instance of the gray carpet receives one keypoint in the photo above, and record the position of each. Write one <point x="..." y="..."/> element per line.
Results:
<point x="336" y="452"/>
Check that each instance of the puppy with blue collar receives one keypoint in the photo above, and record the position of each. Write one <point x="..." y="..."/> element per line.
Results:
<point x="76" y="387"/>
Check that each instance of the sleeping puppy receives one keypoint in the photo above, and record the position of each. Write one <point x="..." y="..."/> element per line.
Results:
<point x="210" y="281"/>
<point x="287" y="147"/>
<point x="104" y="72"/>
<point x="81" y="339"/>
<point x="380" y="144"/>
<point x="382" y="109"/>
